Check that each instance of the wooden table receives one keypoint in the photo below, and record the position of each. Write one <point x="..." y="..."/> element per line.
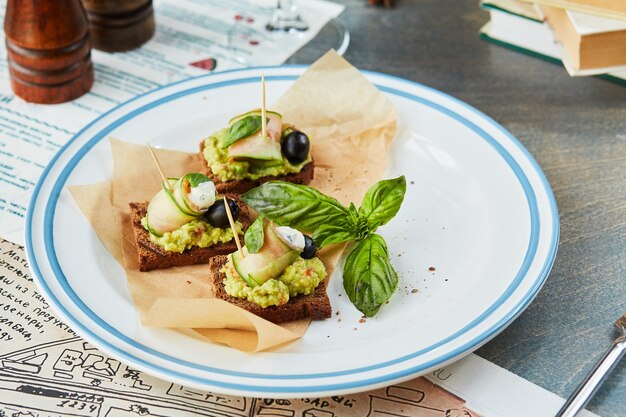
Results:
<point x="576" y="129"/>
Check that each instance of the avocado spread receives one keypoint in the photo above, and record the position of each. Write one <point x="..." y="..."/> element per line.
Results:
<point x="301" y="277"/>
<point x="195" y="233"/>
<point x="227" y="170"/>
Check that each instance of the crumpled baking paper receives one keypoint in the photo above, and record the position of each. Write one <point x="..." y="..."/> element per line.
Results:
<point x="350" y="124"/>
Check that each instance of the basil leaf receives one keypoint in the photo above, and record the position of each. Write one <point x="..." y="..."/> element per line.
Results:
<point x="242" y="129"/>
<point x="299" y="206"/>
<point x="196" y="178"/>
<point x="255" y="236"/>
<point x="354" y="213"/>
<point x="382" y="201"/>
<point x="368" y="277"/>
<point x="328" y="234"/>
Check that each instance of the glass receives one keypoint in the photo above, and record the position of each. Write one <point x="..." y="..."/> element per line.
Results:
<point x="257" y="36"/>
<point x="286" y="17"/>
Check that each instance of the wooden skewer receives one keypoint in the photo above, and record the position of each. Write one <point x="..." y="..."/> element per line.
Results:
<point x="263" y="122"/>
<point x="156" y="162"/>
<point x="232" y="226"/>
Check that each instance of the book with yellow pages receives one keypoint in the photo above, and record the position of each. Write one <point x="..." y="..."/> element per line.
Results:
<point x="613" y="9"/>
<point x="529" y="35"/>
<point x="589" y="42"/>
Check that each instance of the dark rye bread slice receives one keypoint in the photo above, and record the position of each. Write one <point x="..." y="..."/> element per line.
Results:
<point x="315" y="306"/>
<point x="241" y="186"/>
<point x="152" y="256"/>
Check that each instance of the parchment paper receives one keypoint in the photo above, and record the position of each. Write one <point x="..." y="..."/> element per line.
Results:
<point x="350" y="124"/>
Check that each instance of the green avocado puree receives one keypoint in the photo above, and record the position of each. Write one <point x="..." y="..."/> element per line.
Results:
<point x="195" y="233"/>
<point x="227" y="170"/>
<point x="301" y="277"/>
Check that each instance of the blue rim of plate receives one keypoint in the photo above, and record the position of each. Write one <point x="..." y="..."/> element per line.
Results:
<point x="109" y="347"/>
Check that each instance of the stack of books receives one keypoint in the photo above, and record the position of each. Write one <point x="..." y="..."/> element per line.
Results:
<point x="587" y="36"/>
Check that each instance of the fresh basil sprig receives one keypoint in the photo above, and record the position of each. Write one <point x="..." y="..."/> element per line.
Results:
<point x="254" y="236"/>
<point x="298" y="206"/>
<point x="242" y="129"/>
<point x="369" y="278"/>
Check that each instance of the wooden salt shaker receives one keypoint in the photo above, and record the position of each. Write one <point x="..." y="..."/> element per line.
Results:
<point x="48" y="50"/>
<point x="119" y="25"/>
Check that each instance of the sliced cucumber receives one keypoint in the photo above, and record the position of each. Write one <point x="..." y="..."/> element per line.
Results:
<point x="248" y="264"/>
<point x="256" y="147"/>
<point x="165" y="213"/>
<point x="170" y="208"/>
<point x="181" y="194"/>
<point x="178" y="199"/>
<point x="150" y="229"/>
<point x="275" y="255"/>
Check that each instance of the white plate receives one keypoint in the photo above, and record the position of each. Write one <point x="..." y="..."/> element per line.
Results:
<point x="478" y="209"/>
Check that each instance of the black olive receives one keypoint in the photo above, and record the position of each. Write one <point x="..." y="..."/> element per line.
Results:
<point x="309" y="248"/>
<point x="216" y="215"/>
<point x="296" y="147"/>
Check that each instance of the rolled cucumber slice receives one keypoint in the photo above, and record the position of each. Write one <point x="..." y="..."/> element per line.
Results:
<point x="169" y="210"/>
<point x="178" y="198"/>
<point x="269" y="262"/>
<point x="181" y="193"/>
<point x="256" y="147"/>
<point x="164" y="214"/>
<point x="150" y="229"/>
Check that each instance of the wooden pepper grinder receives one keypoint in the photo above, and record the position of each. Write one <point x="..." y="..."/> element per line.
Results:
<point x="48" y="50"/>
<point x="119" y="25"/>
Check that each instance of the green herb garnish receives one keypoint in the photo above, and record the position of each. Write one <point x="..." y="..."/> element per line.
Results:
<point x="298" y="206"/>
<point x="255" y="236"/>
<point x="242" y="129"/>
<point x="382" y="202"/>
<point x="368" y="277"/>
<point x="196" y="179"/>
